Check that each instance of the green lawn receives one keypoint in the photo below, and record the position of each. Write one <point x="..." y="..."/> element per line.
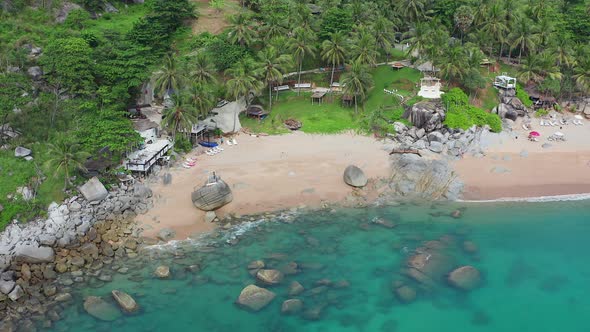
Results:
<point x="331" y="117"/>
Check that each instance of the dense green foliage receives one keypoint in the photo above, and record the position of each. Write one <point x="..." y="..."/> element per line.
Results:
<point x="462" y="115"/>
<point x="523" y="96"/>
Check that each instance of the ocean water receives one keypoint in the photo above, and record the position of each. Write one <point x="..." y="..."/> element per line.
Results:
<point x="533" y="258"/>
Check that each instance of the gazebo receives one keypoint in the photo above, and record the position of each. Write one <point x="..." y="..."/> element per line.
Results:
<point x="318" y="96"/>
<point x="397" y="65"/>
<point x="430" y="88"/>
<point x="505" y="82"/>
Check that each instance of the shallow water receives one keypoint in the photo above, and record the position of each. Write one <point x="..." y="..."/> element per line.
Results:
<point x="533" y="257"/>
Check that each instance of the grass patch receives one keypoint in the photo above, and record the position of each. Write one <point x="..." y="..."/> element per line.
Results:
<point x="331" y="117"/>
<point x="121" y="22"/>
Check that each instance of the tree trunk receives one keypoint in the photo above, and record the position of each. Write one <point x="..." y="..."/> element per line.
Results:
<point x="299" y="76"/>
<point x="269" y="97"/>
<point x="501" y="50"/>
<point x="356" y="108"/>
<point x="520" y="54"/>
<point x="332" y="77"/>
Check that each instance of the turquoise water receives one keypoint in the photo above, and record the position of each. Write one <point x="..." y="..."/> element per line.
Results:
<point x="533" y="257"/>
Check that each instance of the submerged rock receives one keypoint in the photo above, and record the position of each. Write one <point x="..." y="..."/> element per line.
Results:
<point x="291" y="306"/>
<point x="162" y="272"/>
<point x="100" y="309"/>
<point x="354" y="176"/>
<point x="465" y="277"/>
<point x="405" y="294"/>
<point x="125" y="301"/>
<point x="295" y="288"/>
<point x="270" y="277"/>
<point x="255" y="298"/>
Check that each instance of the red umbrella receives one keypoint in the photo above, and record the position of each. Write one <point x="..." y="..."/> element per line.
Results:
<point x="534" y="134"/>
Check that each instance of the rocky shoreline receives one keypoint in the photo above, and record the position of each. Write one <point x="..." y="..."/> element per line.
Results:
<point x="80" y="241"/>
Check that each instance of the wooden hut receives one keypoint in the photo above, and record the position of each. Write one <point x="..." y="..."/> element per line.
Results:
<point x="318" y="96"/>
<point x="347" y="100"/>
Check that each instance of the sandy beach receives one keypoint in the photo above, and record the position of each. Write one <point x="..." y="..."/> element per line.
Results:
<point x="266" y="174"/>
<point x="516" y="167"/>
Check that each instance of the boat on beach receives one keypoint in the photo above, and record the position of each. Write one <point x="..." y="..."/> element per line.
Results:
<point x="213" y="195"/>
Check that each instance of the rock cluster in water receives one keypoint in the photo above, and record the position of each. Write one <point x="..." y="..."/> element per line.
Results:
<point x="78" y="242"/>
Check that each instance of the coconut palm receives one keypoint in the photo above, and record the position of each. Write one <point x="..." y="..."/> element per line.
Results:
<point x="334" y="51"/>
<point x="420" y="38"/>
<point x="582" y="74"/>
<point x="531" y="70"/>
<point x="411" y="10"/>
<point x="524" y="36"/>
<point x="241" y="30"/>
<point x="364" y="48"/>
<point x="169" y="77"/>
<point x="203" y="71"/>
<point x="494" y="25"/>
<point x="272" y="67"/>
<point x="383" y="32"/>
<point x="453" y="62"/>
<point x="65" y="157"/>
<point x="301" y="45"/>
<point x="180" y="117"/>
<point x="562" y="51"/>
<point x="273" y="27"/>
<point x="242" y="80"/>
<point x="357" y="83"/>
<point x="201" y="98"/>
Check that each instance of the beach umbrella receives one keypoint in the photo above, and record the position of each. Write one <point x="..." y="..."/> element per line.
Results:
<point x="534" y="134"/>
<point x="558" y="133"/>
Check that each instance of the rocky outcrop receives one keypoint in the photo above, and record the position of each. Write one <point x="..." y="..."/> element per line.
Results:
<point x="62" y="13"/>
<point x="93" y="190"/>
<point x="510" y="106"/>
<point x="100" y="309"/>
<point x="35" y="73"/>
<point x="354" y="176"/>
<point x="34" y="254"/>
<point x="453" y="142"/>
<point x="426" y="115"/>
<point x="125" y="301"/>
<point x="255" y="298"/>
<point x="465" y="278"/>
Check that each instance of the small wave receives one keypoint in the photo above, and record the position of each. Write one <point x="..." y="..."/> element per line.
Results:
<point x="227" y="235"/>
<point x="553" y="198"/>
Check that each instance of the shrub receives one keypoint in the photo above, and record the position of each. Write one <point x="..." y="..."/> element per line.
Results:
<point x="523" y="96"/>
<point x="541" y="112"/>
<point x="182" y="144"/>
<point x="462" y="115"/>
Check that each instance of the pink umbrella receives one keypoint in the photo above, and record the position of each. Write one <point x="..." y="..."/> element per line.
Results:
<point x="534" y="134"/>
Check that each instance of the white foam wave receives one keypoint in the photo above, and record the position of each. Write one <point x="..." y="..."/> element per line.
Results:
<point x="553" y="198"/>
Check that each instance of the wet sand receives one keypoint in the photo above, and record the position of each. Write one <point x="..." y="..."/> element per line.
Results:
<point x="266" y="174"/>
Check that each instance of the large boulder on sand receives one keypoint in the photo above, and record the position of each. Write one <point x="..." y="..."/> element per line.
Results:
<point x="426" y="115"/>
<point x="100" y="309"/>
<point x="212" y="196"/>
<point x="125" y="301"/>
<point x="93" y="190"/>
<point x="465" y="277"/>
<point x="269" y="277"/>
<point x="255" y="298"/>
<point x="354" y="176"/>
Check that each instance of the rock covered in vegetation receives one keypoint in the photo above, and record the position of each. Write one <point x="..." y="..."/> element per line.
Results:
<point x="354" y="176"/>
<point x="465" y="277"/>
<point x="255" y="298"/>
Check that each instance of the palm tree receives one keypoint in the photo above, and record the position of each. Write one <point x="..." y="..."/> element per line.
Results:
<point x="300" y="46"/>
<point x="169" y="77"/>
<point x="530" y="71"/>
<point x="420" y="38"/>
<point x="383" y="32"/>
<point x="334" y="51"/>
<point x="582" y="74"/>
<point x="242" y="80"/>
<point x="357" y="83"/>
<point x="272" y="67"/>
<point x="495" y="25"/>
<point x="463" y="19"/>
<point x="201" y="98"/>
<point x="364" y="48"/>
<point x="180" y="117"/>
<point x="203" y="71"/>
<point x="411" y="10"/>
<point x="453" y="62"/>
<point x="272" y="27"/>
<point x="524" y="36"/>
<point x="65" y="157"/>
<point x="563" y="52"/>
<point x="241" y="31"/>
